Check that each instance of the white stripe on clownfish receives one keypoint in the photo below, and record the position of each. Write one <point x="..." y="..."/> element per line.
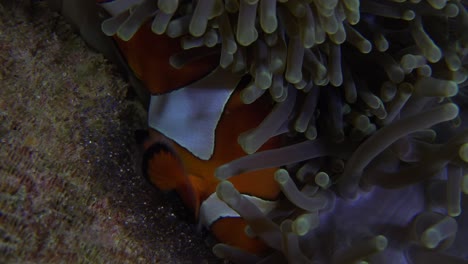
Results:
<point x="214" y="208"/>
<point x="190" y="115"/>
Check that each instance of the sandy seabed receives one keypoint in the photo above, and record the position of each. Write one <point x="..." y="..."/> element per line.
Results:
<point x="70" y="184"/>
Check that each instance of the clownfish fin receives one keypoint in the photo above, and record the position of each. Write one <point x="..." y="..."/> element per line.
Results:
<point x="162" y="167"/>
<point x="165" y="170"/>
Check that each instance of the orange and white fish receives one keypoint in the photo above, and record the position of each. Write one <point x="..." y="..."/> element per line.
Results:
<point x="195" y="117"/>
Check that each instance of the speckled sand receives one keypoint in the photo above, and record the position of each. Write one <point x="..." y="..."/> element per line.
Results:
<point x="70" y="185"/>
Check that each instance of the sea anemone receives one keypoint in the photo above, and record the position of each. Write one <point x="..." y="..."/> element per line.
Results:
<point x="371" y="97"/>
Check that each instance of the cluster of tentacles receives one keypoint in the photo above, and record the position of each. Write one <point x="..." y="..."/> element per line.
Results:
<point x="373" y="96"/>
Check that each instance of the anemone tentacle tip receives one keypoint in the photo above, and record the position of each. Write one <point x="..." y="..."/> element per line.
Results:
<point x="451" y="110"/>
<point x="463" y="152"/>
<point x="381" y="242"/>
<point x="281" y="176"/>
<point x="218" y="250"/>
<point x="431" y="238"/>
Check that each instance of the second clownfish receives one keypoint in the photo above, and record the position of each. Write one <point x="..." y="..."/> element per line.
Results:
<point x="195" y="117"/>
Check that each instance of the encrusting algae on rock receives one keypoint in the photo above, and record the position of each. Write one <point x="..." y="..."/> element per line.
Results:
<point x="369" y="100"/>
<point x="69" y="191"/>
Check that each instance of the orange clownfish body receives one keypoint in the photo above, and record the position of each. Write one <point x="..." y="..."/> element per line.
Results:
<point x="170" y="166"/>
<point x="196" y="116"/>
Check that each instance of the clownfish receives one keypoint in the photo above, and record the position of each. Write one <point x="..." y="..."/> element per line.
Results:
<point x="195" y="118"/>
